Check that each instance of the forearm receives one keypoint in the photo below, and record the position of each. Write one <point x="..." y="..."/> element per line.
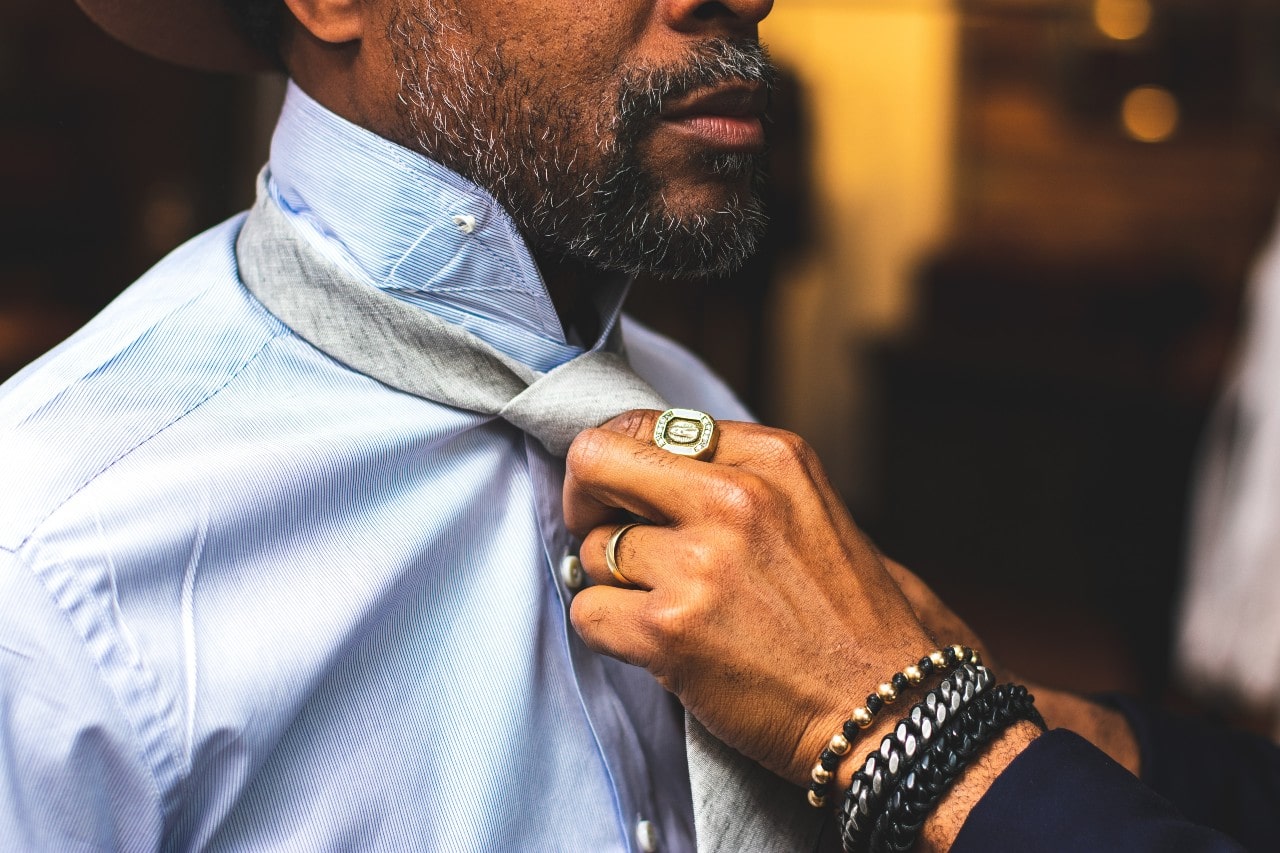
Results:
<point x="1104" y="727"/>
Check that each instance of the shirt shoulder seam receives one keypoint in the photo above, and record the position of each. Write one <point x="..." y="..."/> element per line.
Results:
<point x="35" y="527"/>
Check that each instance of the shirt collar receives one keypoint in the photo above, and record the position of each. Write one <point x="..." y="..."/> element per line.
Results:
<point x="413" y="228"/>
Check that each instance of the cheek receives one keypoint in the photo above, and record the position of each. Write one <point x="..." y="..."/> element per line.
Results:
<point x="574" y="42"/>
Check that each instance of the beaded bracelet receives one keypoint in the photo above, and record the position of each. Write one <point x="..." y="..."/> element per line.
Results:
<point x="938" y="660"/>
<point x="898" y="823"/>
<point x="899" y="750"/>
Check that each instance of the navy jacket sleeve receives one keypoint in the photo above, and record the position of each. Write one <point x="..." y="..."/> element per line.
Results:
<point x="1062" y="795"/>
<point x="1218" y="777"/>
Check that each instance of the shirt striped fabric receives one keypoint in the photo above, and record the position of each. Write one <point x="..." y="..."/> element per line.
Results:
<point x="251" y="599"/>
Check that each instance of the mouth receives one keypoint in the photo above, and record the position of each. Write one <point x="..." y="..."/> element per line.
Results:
<point x="729" y="119"/>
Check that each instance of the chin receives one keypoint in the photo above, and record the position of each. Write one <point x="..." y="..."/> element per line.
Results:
<point x="707" y="199"/>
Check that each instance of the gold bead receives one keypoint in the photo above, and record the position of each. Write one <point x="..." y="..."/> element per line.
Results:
<point x="938" y="659"/>
<point x="887" y="692"/>
<point x="816" y="800"/>
<point x="820" y="774"/>
<point x="913" y="674"/>
<point x="976" y="659"/>
<point x="959" y="650"/>
<point x="839" y="744"/>
<point x="862" y="716"/>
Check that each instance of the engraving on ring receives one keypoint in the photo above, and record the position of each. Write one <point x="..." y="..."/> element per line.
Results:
<point x="686" y="432"/>
<point x="680" y="431"/>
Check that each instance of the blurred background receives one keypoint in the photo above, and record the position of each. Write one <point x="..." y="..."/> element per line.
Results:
<point x="1003" y="281"/>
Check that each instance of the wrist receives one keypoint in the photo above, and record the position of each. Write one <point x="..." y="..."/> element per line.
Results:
<point x="943" y="825"/>
<point x="1106" y="728"/>
<point x="877" y="717"/>
<point x="901" y="783"/>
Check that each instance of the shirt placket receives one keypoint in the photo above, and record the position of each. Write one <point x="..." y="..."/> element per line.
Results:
<point x="643" y="820"/>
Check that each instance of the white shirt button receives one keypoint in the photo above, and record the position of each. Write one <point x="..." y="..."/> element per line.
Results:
<point x="465" y="222"/>
<point x="647" y="836"/>
<point x="571" y="574"/>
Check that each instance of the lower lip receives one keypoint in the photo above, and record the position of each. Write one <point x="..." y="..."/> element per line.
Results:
<point x="724" y="133"/>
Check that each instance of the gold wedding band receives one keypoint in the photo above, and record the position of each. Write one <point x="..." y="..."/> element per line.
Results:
<point x="686" y="432"/>
<point x="611" y="554"/>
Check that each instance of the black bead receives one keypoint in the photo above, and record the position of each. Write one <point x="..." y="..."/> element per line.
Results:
<point x="874" y="703"/>
<point x="829" y="760"/>
<point x="851" y="731"/>
<point x="950" y="654"/>
<point x="899" y="681"/>
<point x="926" y="665"/>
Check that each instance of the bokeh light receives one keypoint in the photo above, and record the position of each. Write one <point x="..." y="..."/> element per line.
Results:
<point x="1150" y="114"/>
<point x="1123" y="20"/>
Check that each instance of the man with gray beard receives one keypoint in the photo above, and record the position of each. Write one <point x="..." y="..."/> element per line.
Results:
<point x="277" y="575"/>
<point x="313" y="539"/>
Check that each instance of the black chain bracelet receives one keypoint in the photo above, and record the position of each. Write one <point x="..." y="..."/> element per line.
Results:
<point x="900" y="750"/>
<point x="919" y="789"/>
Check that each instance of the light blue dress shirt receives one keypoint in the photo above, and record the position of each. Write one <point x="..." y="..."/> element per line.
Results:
<point x="251" y="599"/>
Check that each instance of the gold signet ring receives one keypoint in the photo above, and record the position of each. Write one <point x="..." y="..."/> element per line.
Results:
<point x="686" y="432"/>
<point x="611" y="554"/>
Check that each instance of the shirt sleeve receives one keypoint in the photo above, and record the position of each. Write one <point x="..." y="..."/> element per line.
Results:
<point x="72" y="775"/>
<point x="1062" y="795"/>
<point x="1218" y="777"/>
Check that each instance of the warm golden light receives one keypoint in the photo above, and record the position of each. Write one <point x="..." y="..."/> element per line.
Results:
<point x="1122" y="20"/>
<point x="1150" y="114"/>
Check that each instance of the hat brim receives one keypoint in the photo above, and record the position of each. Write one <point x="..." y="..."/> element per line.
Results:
<point x="194" y="33"/>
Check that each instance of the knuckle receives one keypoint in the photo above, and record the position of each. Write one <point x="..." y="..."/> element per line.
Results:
<point x="705" y="564"/>
<point x="788" y="449"/>
<point x="636" y="423"/>
<point x="700" y="555"/>
<point x="743" y="496"/>
<point x="667" y="622"/>
<point x="587" y="449"/>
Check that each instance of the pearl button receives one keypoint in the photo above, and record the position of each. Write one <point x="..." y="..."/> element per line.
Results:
<point x="647" y="836"/>
<point x="465" y="222"/>
<point x="571" y="572"/>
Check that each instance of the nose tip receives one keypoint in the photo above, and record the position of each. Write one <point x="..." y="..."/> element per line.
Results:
<point x="706" y="15"/>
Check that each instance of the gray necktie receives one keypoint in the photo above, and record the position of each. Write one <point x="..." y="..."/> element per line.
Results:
<point x="738" y="806"/>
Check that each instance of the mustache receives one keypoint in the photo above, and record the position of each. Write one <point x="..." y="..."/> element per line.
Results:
<point x="710" y="63"/>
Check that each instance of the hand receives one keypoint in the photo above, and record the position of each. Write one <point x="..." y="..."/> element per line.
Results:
<point x="760" y="603"/>
<point x="941" y="620"/>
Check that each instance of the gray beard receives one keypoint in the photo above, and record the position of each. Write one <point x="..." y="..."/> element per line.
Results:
<point x="588" y="200"/>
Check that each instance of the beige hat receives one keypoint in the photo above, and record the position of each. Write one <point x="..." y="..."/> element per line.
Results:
<point x="195" y="33"/>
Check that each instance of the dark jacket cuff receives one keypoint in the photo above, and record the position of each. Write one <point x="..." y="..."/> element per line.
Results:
<point x="1062" y="795"/>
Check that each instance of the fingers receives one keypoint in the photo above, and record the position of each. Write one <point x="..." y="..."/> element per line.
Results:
<point x="773" y="454"/>
<point x="741" y="444"/>
<point x="612" y="621"/>
<point x="647" y="555"/>
<point x="628" y="552"/>
<point x="609" y="471"/>
<point x="608" y="475"/>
